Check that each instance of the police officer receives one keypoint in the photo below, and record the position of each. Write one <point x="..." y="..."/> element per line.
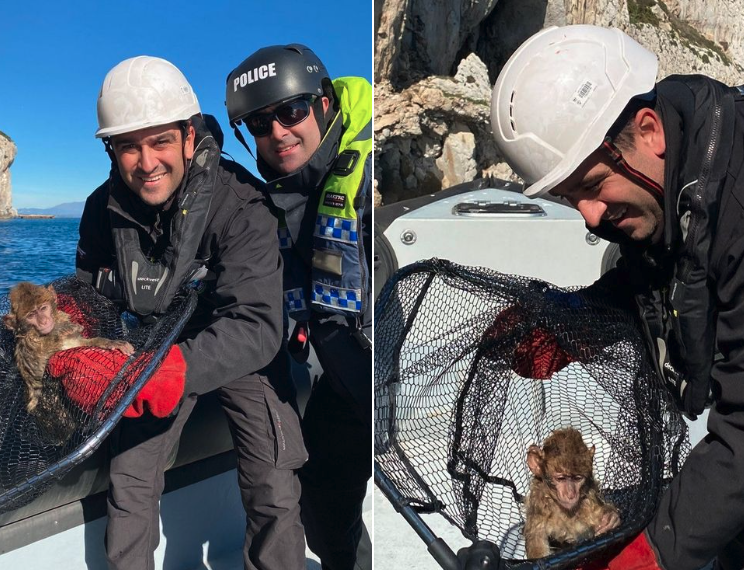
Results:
<point x="657" y="168"/>
<point x="314" y="143"/>
<point x="172" y="207"/>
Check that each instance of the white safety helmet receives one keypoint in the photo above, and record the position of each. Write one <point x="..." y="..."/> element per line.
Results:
<point x="143" y="92"/>
<point x="559" y="94"/>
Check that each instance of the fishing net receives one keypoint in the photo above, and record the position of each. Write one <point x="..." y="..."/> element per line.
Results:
<point x="473" y="366"/>
<point x="84" y="391"/>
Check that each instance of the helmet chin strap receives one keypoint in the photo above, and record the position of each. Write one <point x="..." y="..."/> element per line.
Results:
<point x="241" y="139"/>
<point x="644" y="181"/>
<point x="186" y="161"/>
<point x="109" y="150"/>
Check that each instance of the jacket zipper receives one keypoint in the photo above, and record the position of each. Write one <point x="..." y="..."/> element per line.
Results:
<point x="698" y="196"/>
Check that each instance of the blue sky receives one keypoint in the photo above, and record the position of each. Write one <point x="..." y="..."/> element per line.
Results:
<point x="54" y="56"/>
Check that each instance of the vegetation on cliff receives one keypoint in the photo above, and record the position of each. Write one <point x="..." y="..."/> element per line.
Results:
<point x="642" y="12"/>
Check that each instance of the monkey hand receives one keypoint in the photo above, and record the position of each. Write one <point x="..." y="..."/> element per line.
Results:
<point x="86" y="372"/>
<point x="610" y="519"/>
<point x="123" y="346"/>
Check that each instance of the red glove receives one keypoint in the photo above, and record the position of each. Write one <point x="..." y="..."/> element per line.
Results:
<point x="638" y="555"/>
<point x="163" y="392"/>
<point x="86" y="372"/>
<point x="538" y="354"/>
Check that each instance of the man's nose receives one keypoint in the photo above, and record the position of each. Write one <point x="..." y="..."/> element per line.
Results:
<point x="148" y="160"/>
<point x="592" y="211"/>
<point x="278" y="131"/>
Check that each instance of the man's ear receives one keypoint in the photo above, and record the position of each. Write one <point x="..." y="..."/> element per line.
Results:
<point x="188" y="146"/>
<point x="326" y="103"/>
<point x="650" y="131"/>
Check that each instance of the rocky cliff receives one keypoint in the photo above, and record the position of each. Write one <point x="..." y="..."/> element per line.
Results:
<point x="7" y="156"/>
<point x="436" y="60"/>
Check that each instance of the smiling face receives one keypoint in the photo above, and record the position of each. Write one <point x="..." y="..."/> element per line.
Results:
<point x="600" y="191"/>
<point x="152" y="161"/>
<point x="287" y="149"/>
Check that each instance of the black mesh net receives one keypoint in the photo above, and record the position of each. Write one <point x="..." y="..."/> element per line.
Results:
<point x="472" y="367"/>
<point x="84" y="390"/>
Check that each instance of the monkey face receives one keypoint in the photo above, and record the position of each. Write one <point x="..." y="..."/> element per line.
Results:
<point x="31" y="306"/>
<point x="567" y="489"/>
<point x="41" y="318"/>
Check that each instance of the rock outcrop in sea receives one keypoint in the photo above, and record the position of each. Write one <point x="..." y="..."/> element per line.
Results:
<point x="8" y="151"/>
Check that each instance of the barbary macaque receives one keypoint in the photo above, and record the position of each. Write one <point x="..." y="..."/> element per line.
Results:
<point x="564" y="505"/>
<point x="40" y="331"/>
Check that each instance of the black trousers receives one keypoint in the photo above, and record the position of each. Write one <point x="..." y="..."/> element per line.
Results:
<point x="266" y="433"/>
<point x="337" y="427"/>
<point x="701" y="513"/>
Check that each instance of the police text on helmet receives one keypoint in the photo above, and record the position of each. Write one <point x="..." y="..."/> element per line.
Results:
<point x="254" y="75"/>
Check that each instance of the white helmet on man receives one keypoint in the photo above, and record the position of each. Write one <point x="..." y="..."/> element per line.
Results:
<point x="143" y="92"/>
<point x="559" y="94"/>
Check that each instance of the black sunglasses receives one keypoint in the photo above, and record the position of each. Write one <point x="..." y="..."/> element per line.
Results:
<point x="289" y="114"/>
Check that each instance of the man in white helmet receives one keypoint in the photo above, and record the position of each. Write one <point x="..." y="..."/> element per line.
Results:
<point x="657" y="168"/>
<point x="173" y="211"/>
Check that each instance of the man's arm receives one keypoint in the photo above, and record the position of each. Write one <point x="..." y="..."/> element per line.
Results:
<point x="245" y="321"/>
<point x="703" y="508"/>
<point x="95" y="247"/>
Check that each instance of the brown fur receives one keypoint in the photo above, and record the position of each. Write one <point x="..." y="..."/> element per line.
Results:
<point x="563" y="511"/>
<point x="33" y="349"/>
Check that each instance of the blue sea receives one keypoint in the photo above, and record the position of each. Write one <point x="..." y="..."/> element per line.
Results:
<point x="36" y="250"/>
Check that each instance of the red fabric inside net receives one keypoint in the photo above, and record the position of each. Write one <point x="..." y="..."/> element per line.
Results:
<point x="538" y="355"/>
<point x="79" y="313"/>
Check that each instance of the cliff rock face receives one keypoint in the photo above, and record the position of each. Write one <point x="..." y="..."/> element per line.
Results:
<point x="7" y="156"/>
<point x="719" y="20"/>
<point x="418" y="38"/>
<point x="436" y="61"/>
<point x="425" y="135"/>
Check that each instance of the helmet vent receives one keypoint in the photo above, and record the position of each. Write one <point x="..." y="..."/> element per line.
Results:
<point x="511" y="113"/>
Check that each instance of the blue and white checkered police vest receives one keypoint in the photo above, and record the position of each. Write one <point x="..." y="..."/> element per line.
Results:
<point x="339" y="279"/>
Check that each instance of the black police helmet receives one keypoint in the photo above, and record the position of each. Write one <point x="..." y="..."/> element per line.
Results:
<point x="271" y="75"/>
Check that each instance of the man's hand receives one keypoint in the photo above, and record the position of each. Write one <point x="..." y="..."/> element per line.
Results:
<point x="86" y="372"/>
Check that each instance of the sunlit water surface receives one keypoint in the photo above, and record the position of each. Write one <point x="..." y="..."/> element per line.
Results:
<point x="36" y="250"/>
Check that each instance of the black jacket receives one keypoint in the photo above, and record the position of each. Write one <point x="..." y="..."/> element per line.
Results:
<point x="237" y="326"/>
<point x="698" y="271"/>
